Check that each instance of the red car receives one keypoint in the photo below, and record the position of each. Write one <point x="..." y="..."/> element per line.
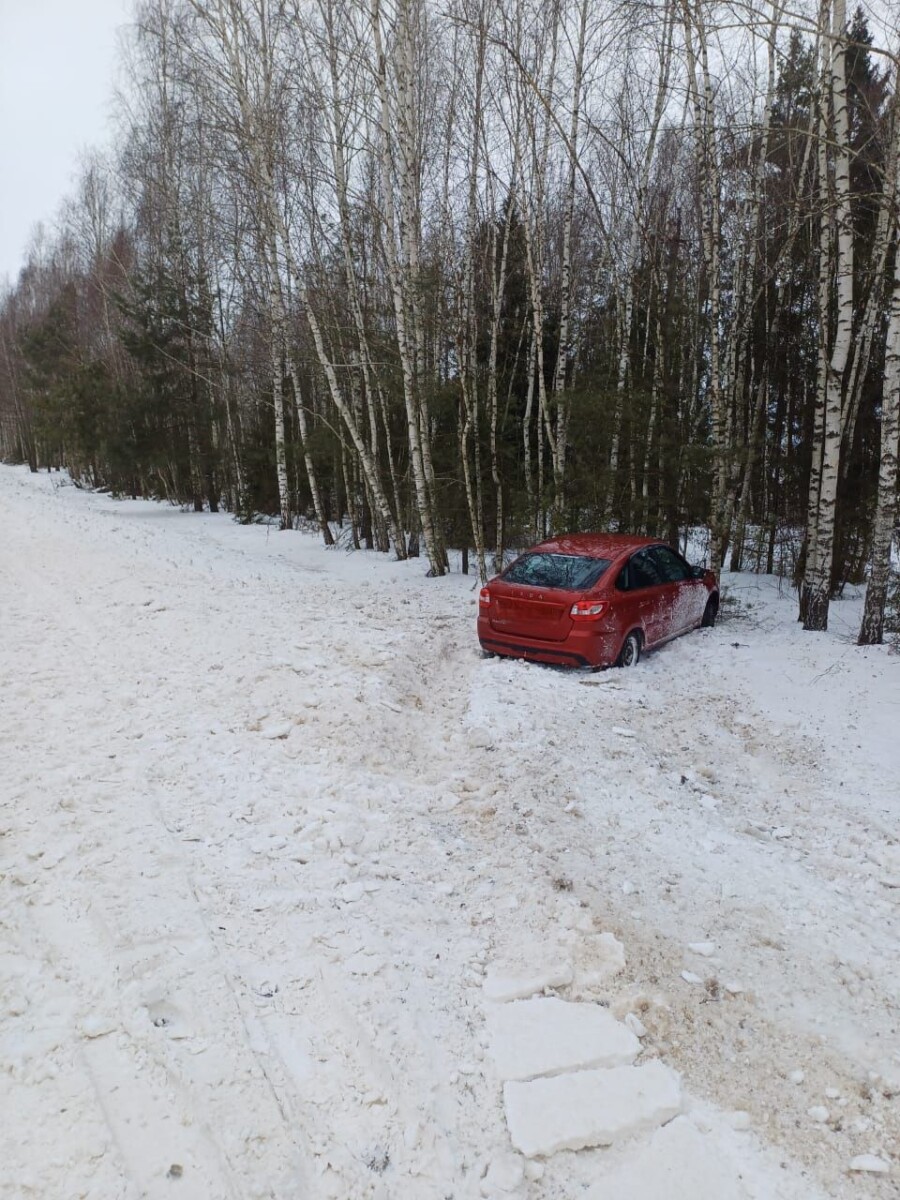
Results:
<point x="594" y="600"/>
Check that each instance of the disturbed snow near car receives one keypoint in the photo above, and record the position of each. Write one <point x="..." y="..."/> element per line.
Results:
<point x="303" y="898"/>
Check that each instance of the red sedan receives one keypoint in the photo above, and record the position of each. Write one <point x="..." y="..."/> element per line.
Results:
<point x="594" y="600"/>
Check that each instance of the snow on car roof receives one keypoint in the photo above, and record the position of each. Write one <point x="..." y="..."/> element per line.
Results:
<point x="600" y="545"/>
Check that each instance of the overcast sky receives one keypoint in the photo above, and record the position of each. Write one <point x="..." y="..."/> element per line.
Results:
<point x="57" y="64"/>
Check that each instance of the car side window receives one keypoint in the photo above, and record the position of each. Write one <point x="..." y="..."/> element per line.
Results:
<point x="644" y="571"/>
<point x="672" y="566"/>
<point x="623" y="579"/>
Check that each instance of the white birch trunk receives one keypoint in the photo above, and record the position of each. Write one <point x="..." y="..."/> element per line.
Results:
<point x="284" y="492"/>
<point x="400" y="277"/>
<point x="631" y="263"/>
<point x="875" y="300"/>
<point x="825" y="268"/>
<point x="336" y="113"/>
<point x="710" y="220"/>
<point x="818" y="580"/>
<point x="303" y="426"/>
<point x="526" y="430"/>
<point x="559" y="376"/>
<point x="498" y="283"/>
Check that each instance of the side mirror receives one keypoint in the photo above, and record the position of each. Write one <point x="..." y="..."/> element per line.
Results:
<point x="698" y="572"/>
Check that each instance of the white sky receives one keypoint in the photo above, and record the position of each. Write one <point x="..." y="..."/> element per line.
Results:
<point x="57" y="63"/>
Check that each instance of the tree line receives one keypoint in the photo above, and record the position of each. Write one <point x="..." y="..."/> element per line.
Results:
<point x="466" y="273"/>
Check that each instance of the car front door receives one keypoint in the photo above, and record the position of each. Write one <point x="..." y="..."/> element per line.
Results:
<point x="650" y="594"/>
<point x="686" y="596"/>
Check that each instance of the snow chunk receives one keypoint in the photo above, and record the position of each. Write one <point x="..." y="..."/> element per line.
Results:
<point x="16" y="1004"/>
<point x="870" y="1163"/>
<point x="545" y="1036"/>
<point x="690" y="977"/>
<point x="608" y="954"/>
<point x="611" y="953"/>
<point x="95" y="1026"/>
<point x="704" y="949"/>
<point x="352" y="893"/>
<point x="818" y="1112"/>
<point x="589" y="1108"/>
<point x="481" y="739"/>
<point x="636" y="1025"/>
<point x="506" y="1174"/>
<point x="503" y="984"/>
<point x="277" y="732"/>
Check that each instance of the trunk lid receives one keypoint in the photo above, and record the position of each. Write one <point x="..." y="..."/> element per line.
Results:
<point x="526" y="612"/>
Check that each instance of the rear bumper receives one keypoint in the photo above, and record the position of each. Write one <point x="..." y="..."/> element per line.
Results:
<point x="582" y="648"/>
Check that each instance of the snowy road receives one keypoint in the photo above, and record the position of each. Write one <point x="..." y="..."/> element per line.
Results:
<point x="269" y="821"/>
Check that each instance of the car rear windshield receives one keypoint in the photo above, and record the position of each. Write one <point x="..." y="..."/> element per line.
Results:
<point x="573" y="572"/>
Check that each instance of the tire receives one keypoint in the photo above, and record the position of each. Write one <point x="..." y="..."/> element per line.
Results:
<point x="710" y="612"/>
<point x="630" y="654"/>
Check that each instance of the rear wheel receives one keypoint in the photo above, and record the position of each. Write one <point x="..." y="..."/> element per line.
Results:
<point x="710" y="612"/>
<point x="630" y="654"/>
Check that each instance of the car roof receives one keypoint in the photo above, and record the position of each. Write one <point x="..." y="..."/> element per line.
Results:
<point x="595" y="545"/>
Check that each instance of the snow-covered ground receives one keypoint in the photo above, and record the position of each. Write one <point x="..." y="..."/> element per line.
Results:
<point x="284" y="862"/>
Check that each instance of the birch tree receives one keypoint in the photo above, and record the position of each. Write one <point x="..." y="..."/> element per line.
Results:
<point x="401" y="232"/>
<point x="709" y="200"/>
<point x="836" y="260"/>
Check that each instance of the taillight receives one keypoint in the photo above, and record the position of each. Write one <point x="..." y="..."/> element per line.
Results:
<point x="587" y="610"/>
<point x="484" y="598"/>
